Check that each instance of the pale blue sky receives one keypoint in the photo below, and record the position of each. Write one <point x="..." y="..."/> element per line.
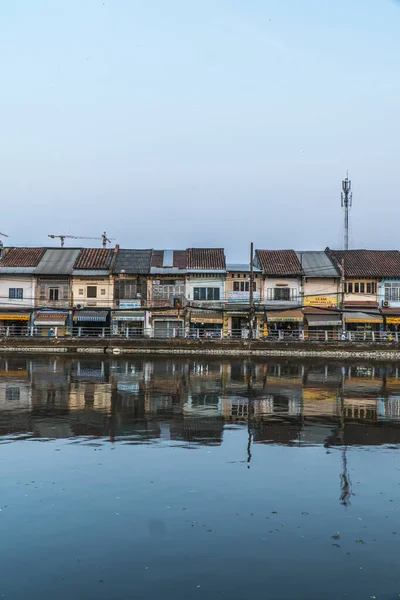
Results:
<point x="175" y="123"/>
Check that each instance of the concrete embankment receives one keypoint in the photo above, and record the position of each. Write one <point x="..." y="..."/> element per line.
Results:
<point x="183" y="347"/>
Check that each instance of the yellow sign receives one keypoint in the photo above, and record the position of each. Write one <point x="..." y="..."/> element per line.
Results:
<point x="330" y="301"/>
<point x="393" y="320"/>
<point x="14" y="317"/>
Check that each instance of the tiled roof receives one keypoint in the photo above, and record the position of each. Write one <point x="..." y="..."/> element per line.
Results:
<point x="206" y="259"/>
<point x="367" y="263"/>
<point x="94" y="258"/>
<point x="178" y="259"/>
<point x="22" y="257"/>
<point x="133" y="262"/>
<point x="279" y="262"/>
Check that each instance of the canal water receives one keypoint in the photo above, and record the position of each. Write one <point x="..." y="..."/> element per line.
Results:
<point x="176" y="479"/>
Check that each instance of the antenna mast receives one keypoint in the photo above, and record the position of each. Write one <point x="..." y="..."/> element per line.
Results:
<point x="347" y="202"/>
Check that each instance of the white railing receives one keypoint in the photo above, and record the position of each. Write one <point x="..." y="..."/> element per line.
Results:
<point x="273" y="336"/>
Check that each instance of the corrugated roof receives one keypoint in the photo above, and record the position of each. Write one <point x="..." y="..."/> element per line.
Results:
<point x="207" y="259"/>
<point x="22" y="257"/>
<point x="317" y="264"/>
<point x="94" y="258"/>
<point x="179" y="260"/>
<point x="367" y="263"/>
<point x="58" y="261"/>
<point x="279" y="262"/>
<point x="133" y="262"/>
<point x="238" y="267"/>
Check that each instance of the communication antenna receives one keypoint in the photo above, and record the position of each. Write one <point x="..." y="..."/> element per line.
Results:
<point x="347" y="202"/>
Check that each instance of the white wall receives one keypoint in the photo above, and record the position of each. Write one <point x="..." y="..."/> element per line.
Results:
<point x="27" y="283"/>
<point x="279" y="282"/>
<point x="214" y="282"/>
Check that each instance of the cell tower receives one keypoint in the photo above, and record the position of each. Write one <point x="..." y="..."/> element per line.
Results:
<point x="347" y="202"/>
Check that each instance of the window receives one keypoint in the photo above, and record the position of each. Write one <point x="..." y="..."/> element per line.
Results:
<point x="362" y="288"/>
<point x="202" y="293"/>
<point x="369" y="288"/>
<point x="164" y="290"/>
<point x="91" y="291"/>
<point x="12" y="393"/>
<point x="54" y="293"/>
<point x="356" y="288"/>
<point x="103" y="292"/>
<point x="81" y="291"/>
<point x="282" y="294"/>
<point x="349" y="288"/>
<point x="392" y="291"/>
<point x="128" y="290"/>
<point x="236" y="286"/>
<point x="16" y="293"/>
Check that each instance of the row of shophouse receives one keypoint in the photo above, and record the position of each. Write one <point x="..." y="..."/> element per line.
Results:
<point x="157" y="292"/>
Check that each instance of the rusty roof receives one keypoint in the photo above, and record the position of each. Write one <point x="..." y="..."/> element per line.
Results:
<point x="178" y="259"/>
<point x="367" y="263"/>
<point x="94" y="258"/>
<point x="206" y="259"/>
<point x="278" y="262"/>
<point x="22" y="257"/>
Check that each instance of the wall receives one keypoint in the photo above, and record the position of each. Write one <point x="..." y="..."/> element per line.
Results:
<point x="361" y="297"/>
<point x="321" y="291"/>
<point x="293" y="283"/>
<point x="232" y="296"/>
<point x="28" y="286"/>
<point x="102" y="300"/>
<point x="205" y="282"/>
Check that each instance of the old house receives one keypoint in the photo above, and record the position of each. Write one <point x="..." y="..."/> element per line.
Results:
<point x="206" y="275"/>
<point x="167" y="292"/>
<point x="282" y="289"/>
<point x="237" y="299"/>
<point x="18" y="287"/>
<point x="131" y="269"/>
<point x="321" y="292"/>
<point x="92" y="289"/>
<point x="363" y="271"/>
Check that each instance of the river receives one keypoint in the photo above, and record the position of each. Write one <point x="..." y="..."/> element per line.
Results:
<point x="176" y="479"/>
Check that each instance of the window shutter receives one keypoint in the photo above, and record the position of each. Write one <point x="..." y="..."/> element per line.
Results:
<point x="65" y="292"/>
<point x="42" y="291"/>
<point x="116" y="289"/>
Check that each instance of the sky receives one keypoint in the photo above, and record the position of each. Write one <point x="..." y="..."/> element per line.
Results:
<point x="174" y="124"/>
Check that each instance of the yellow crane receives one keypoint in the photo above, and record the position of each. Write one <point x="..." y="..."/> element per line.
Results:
<point x="62" y="238"/>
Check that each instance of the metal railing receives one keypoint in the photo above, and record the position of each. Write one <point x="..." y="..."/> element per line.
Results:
<point x="132" y="333"/>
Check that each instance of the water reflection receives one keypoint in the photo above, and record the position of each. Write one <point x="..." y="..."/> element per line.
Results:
<point x="194" y="401"/>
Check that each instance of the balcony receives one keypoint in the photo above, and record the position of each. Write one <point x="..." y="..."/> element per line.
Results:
<point x="283" y="295"/>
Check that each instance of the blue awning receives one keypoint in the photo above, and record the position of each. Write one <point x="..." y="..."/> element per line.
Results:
<point x="90" y="315"/>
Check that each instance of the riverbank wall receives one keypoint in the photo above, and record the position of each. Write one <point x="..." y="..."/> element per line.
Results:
<point x="188" y="347"/>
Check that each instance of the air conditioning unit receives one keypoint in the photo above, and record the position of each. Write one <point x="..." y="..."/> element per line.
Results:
<point x="385" y="304"/>
<point x="78" y="306"/>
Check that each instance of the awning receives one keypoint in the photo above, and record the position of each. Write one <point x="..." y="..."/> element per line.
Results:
<point x="14" y="317"/>
<point x="128" y="316"/>
<point x="360" y="317"/>
<point x="206" y="317"/>
<point x="54" y="319"/>
<point x="326" y="320"/>
<point x="286" y="316"/>
<point x="393" y="320"/>
<point x="89" y="315"/>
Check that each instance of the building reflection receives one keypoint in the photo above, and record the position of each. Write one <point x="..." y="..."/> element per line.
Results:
<point x="194" y="401"/>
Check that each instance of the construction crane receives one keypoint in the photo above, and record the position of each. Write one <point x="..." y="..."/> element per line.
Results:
<point x="103" y="237"/>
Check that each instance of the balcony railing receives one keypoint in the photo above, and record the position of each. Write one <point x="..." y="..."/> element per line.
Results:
<point x="282" y="295"/>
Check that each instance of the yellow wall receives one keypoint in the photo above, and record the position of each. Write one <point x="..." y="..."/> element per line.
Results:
<point x="321" y="291"/>
<point x="103" y="283"/>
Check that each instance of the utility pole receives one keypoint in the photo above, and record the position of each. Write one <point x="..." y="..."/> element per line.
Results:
<point x="251" y="296"/>
<point x="347" y="202"/>
<point x="343" y="292"/>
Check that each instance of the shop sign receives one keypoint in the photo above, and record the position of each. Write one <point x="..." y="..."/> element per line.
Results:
<point x="130" y="304"/>
<point x="329" y="301"/>
<point x="393" y="320"/>
<point x="14" y="318"/>
<point x="242" y="296"/>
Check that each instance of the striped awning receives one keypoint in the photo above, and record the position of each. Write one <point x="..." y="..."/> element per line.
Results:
<point x="90" y="316"/>
<point x="53" y="319"/>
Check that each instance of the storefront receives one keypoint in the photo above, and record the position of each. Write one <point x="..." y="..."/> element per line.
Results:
<point x="205" y="324"/>
<point x="392" y="319"/>
<point x="48" y="323"/>
<point x="288" y="322"/>
<point x="90" y="323"/>
<point x="361" y="325"/>
<point x="14" y="323"/>
<point x="321" y="324"/>
<point x="128" y="323"/>
<point x="168" y="324"/>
